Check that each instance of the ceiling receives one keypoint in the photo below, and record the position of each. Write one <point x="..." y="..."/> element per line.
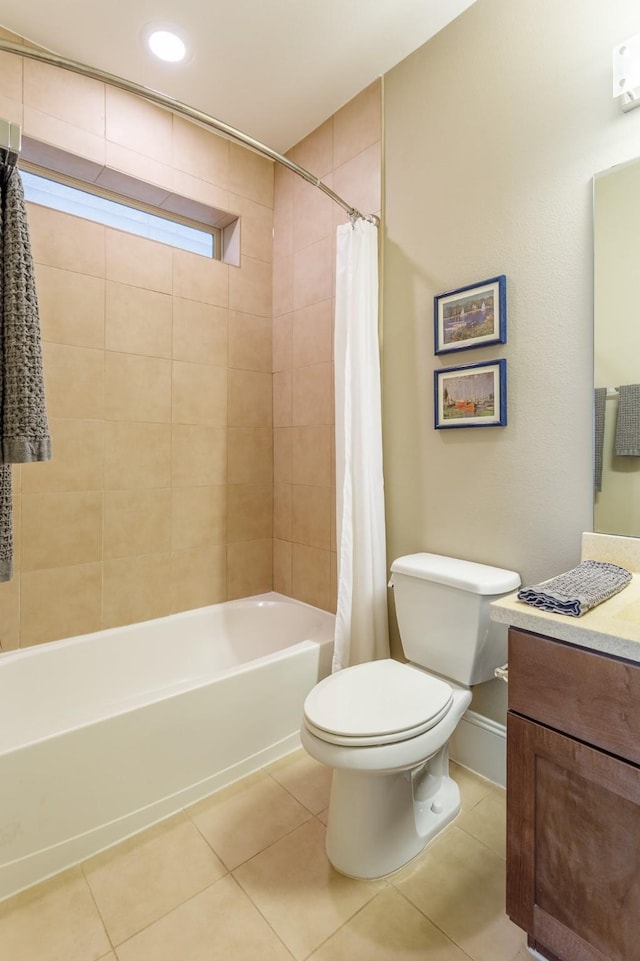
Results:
<point x="274" y="69"/>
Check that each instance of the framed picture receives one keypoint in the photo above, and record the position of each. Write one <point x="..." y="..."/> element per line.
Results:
<point x="473" y="316"/>
<point x="474" y="395"/>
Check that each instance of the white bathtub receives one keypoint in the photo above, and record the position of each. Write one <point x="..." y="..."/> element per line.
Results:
<point x="104" y="734"/>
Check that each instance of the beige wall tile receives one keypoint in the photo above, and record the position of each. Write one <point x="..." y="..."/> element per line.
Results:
<point x="200" y="278"/>
<point x="198" y="578"/>
<point x="138" y="321"/>
<point x="250" y="175"/>
<point x="200" y="153"/>
<point x="312" y="215"/>
<point x="138" y="262"/>
<point x="140" y="165"/>
<point x="199" y="456"/>
<point x="282" y="551"/>
<point x="250" y="512"/>
<point x="62" y="240"/>
<point x="137" y="388"/>
<point x="333" y="585"/>
<point x="61" y="602"/>
<point x="74" y="382"/>
<point x="256" y="236"/>
<point x="357" y="125"/>
<point x="71" y="307"/>
<point x="250" y="342"/>
<point x="312" y="334"/>
<point x="251" y="287"/>
<point x="282" y="398"/>
<point x="184" y="185"/>
<point x="11" y="77"/>
<point x="282" y="455"/>
<point x="249" y="568"/>
<point x="198" y="517"/>
<point x="311" y="449"/>
<point x="315" y="152"/>
<point x="199" y="394"/>
<point x="62" y="529"/>
<point x="74" y="140"/>
<point x="359" y="180"/>
<point x="283" y="511"/>
<point x="282" y="342"/>
<point x="312" y="273"/>
<point x="138" y="125"/>
<point x="136" y="455"/>
<point x="137" y="522"/>
<point x="200" y="332"/>
<point x="77" y="100"/>
<point x="311" y="516"/>
<point x="311" y="576"/>
<point x="250" y="455"/>
<point x="250" y="398"/>
<point x="135" y="589"/>
<point x="10" y="614"/>
<point x="312" y="396"/>
<point x="77" y="461"/>
<point x="282" y="284"/>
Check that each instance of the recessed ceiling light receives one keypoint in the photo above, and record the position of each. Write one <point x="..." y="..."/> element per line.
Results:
<point x="166" y="43"/>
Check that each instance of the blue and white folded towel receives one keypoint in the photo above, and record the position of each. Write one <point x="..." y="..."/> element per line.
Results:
<point x="577" y="591"/>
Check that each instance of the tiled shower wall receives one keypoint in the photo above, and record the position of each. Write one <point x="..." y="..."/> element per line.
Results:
<point x="169" y="427"/>
<point x="345" y="152"/>
<point x="158" y="379"/>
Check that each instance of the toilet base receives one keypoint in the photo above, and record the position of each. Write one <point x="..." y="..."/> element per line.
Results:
<point x="380" y="822"/>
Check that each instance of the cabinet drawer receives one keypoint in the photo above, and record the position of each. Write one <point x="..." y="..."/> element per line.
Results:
<point x="587" y="695"/>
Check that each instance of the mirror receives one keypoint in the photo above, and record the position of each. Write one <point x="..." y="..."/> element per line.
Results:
<point x="617" y="350"/>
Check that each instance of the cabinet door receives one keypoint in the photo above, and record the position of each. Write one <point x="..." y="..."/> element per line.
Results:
<point x="573" y="845"/>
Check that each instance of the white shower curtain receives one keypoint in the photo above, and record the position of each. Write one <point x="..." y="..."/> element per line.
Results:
<point x="361" y="618"/>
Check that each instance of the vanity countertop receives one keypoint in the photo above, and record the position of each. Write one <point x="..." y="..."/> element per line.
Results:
<point x="612" y="627"/>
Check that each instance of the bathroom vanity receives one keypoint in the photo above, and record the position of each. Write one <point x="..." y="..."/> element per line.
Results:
<point x="573" y="777"/>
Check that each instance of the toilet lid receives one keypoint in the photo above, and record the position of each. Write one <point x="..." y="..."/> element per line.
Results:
<point x="376" y="703"/>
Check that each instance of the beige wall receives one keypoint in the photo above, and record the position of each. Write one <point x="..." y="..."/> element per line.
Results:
<point x="345" y="152"/>
<point x="493" y="131"/>
<point x="158" y="377"/>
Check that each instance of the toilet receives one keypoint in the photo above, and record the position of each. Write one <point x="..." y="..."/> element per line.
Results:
<point x="384" y="726"/>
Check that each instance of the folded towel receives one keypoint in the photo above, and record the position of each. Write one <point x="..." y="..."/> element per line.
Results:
<point x="600" y="402"/>
<point x="578" y="590"/>
<point x="627" y="442"/>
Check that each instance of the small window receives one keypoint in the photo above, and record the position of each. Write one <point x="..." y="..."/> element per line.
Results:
<point x="135" y="220"/>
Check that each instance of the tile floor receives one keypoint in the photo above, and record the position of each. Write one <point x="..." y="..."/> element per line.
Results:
<point x="242" y="876"/>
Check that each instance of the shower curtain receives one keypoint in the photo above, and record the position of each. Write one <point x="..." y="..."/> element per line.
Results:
<point x="361" y="617"/>
<point x="24" y="431"/>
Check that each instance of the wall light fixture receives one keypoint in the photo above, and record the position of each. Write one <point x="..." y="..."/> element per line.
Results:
<point x="626" y="73"/>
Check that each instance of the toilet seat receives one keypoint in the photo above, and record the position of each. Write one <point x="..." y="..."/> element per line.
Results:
<point x="380" y="702"/>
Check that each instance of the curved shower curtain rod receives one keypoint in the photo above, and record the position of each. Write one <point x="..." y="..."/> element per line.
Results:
<point x="162" y="100"/>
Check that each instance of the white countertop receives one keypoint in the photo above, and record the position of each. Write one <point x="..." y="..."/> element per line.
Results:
<point x="612" y="627"/>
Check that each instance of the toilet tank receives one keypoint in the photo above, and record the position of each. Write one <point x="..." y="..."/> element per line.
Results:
<point x="442" y="609"/>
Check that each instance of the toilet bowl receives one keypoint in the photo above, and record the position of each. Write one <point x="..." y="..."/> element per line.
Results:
<point x="384" y="726"/>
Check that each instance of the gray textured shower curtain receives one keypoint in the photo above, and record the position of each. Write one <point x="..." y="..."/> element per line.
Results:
<point x="24" y="431"/>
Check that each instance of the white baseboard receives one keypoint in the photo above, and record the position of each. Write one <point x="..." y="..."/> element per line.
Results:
<point x="480" y="744"/>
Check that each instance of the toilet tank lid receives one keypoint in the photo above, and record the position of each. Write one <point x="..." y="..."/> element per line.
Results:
<point x="464" y="575"/>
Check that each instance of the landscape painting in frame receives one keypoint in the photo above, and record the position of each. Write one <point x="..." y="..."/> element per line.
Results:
<point x="474" y="395"/>
<point x="473" y="316"/>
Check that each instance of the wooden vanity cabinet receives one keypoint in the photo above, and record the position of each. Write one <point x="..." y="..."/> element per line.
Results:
<point x="573" y="800"/>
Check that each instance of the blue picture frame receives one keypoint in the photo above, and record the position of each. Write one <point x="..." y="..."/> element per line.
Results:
<point x="471" y="395"/>
<point x="471" y="316"/>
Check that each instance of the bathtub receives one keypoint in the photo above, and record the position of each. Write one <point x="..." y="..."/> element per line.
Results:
<point x="105" y="734"/>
